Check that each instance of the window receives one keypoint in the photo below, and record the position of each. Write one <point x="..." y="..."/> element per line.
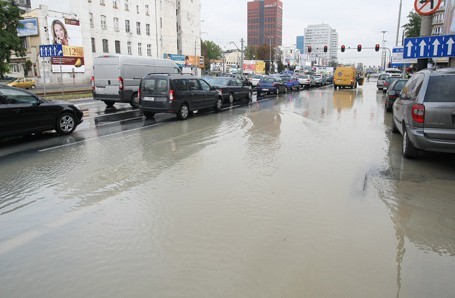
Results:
<point x="128" y="47"/>
<point x="181" y="85"/>
<point x="114" y="3"/>
<point x="105" y="46"/>
<point x="91" y="20"/>
<point x="138" y="28"/>
<point x="117" y="46"/>
<point x="116" y="24"/>
<point x="149" y="50"/>
<point x="139" y="48"/>
<point x="102" y="2"/>
<point x="146" y="9"/>
<point x="194" y="85"/>
<point x="127" y="5"/>
<point x="14" y="96"/>
<point x="205" y="86"/>
<point x="93" y="45"/>
<point x="127" y="26"/>
<point x="103" y="22"/>
<point x="147" y="29"/>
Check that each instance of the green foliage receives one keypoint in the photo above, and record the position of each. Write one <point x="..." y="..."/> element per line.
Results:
<point x="28" y="67"/>
<point x="9" y="41"/>
<point x="412" y="28"/>
<point x="250" y="53"/>
<point x="213" y="50"/>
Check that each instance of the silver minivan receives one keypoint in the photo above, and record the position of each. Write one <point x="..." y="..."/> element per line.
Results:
<point x="116" y="78"/>
<point x="425" y="112"/>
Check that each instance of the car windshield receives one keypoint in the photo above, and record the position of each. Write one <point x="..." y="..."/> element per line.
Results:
<point x="441" y="89"/>
<point x="217" y="81"/>
<point x="155" y="85"/>
<point x="286" y="78"/>
<point x="267" y="80"/>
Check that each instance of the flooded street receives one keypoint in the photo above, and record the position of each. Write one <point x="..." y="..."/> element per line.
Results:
<point x="301" y="195"/>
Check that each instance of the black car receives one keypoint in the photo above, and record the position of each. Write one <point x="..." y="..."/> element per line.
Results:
<point x="179" y="94"/>
<point x="22" y="113"/>
<point x="393" y="92"/>
<point x="230" y="88"/>
<point x="241" y="77"/>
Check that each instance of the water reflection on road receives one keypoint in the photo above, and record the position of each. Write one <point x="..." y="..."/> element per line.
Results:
<point x="304" y="194"/>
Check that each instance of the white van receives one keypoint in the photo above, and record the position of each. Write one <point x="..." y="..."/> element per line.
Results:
<point x="116" y="78"/>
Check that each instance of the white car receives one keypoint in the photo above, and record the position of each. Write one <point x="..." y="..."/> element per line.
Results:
<point x="255" y="80"/>
<point x="306" y="81"/>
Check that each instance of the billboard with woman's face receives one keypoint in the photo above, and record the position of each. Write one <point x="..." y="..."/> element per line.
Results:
<point x="68" y="33"/>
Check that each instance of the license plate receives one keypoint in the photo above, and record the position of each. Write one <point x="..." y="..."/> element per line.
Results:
<point x="148" y="98"/>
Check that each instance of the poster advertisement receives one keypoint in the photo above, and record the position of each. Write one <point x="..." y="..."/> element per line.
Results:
<point x="68" y="33"/>
<point x="29" y="27"/>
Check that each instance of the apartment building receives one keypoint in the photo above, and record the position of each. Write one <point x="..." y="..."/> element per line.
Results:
<point x="318" y="36"/>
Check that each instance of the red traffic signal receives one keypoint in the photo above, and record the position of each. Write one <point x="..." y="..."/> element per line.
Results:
<point x="325" y="49"/>
<point x="376" y="47"/>
<point x="309" y="49"/>
<point x="343" y="48"/>
<point x="359" y="48"/>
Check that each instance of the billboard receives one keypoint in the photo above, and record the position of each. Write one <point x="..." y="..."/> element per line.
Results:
<point x="68" y="33"/>
<point x="29" y="27"/>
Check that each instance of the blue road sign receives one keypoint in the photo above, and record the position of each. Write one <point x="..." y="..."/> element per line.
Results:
<point x="51" y="50"/>
<point x="429" y="46"/>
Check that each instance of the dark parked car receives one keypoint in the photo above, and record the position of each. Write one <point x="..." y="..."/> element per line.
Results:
<point x="425" y="112"/>
<point x="23" y="113"/>
<point x="292" y="82"/>
<point x="393" y="92"/>
<point x="241" y="77"/>
<point x="271" y="84"/>
<point x="387" y="82"/>
<point x="230" y="88"/>
<point x="179" y="94"/>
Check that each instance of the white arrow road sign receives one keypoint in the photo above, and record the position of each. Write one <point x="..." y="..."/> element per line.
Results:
<point x="422" y="47"/>
<point x="449" y="43"/>
<point x="409" y="47"/>
<point x="435" y="47"/>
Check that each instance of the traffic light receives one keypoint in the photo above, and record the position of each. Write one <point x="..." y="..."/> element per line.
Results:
<point x="376" y="47"/>
<point x="309" y="49"/>
<point x="343" y="48"/>
<point x="325" y="49"/>
<point x="359" y="48"/>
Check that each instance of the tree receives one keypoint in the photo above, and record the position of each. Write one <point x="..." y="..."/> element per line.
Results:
<point x="210" y="51"/>
<point x="412" y="28"/>
<point x="250" y="53"/>
<point x="9" y="41"/>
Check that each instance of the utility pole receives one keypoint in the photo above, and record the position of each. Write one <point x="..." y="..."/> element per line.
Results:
<point x="384" y="55"/>
<point x="241" y="56"/>
<point x="399" y="20"/>
<point x="270" y="52"/>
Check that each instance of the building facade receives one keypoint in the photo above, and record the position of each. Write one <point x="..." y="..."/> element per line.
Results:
<point x="155" y="29"/>
<point x="265" y="23"/>
<point x="318" y="36"/>
<point x="300" y="43"/>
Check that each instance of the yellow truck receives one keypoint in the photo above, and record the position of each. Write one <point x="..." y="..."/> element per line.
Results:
<point x="346" y="76"/>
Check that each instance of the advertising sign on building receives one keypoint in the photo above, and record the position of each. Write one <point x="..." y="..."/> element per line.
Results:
<point x="68" y="33"/>
<point x="29" y="27"/>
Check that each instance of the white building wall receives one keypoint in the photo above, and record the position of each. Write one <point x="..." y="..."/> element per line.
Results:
<point x="162" y="19"/>
<point x="318" y="36"/>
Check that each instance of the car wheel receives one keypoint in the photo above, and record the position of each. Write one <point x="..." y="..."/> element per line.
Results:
<point x="183" y="112"/>
<point x="148" y="115"/>
<point x="335" y="87"/>
<point x="109" y="103"/>
<point x="134" y="101"/>
<point x="218" y="104"/>
<point x="409" y="151"/>
<point x="231" y="98"/>
<point x="66" y="123"/>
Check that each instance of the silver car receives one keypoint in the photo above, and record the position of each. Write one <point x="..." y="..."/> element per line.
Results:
<point x="381" y="79"/>
<point x="425" y="112"/>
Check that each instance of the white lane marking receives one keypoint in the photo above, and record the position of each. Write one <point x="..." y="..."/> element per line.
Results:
<point x="97" y="138"/>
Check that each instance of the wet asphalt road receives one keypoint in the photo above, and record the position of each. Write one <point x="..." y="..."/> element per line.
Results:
<point x="301" y="195"/>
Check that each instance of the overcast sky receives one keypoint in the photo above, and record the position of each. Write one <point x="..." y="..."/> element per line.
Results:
<point x="356" y="21"/>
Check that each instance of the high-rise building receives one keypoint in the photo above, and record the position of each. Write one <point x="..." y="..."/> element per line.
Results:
<point x="265" y="22"/>
<point x="300" y="43"/>
<point x="318" y="36"/>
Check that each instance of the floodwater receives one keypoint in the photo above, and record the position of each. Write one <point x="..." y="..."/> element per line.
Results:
<point x="304" y="195"/>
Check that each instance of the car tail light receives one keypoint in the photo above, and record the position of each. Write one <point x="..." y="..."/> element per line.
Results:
<point x="92" y="79"/>
<point x="120" y="83"/>
<point x="418" y="113"/>
<point x="171" y="94"/>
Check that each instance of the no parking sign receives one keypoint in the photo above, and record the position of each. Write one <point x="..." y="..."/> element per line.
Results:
<point x="426" y="7"/>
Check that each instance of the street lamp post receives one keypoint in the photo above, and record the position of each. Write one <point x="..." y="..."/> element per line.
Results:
<point x="270" y="52"/>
